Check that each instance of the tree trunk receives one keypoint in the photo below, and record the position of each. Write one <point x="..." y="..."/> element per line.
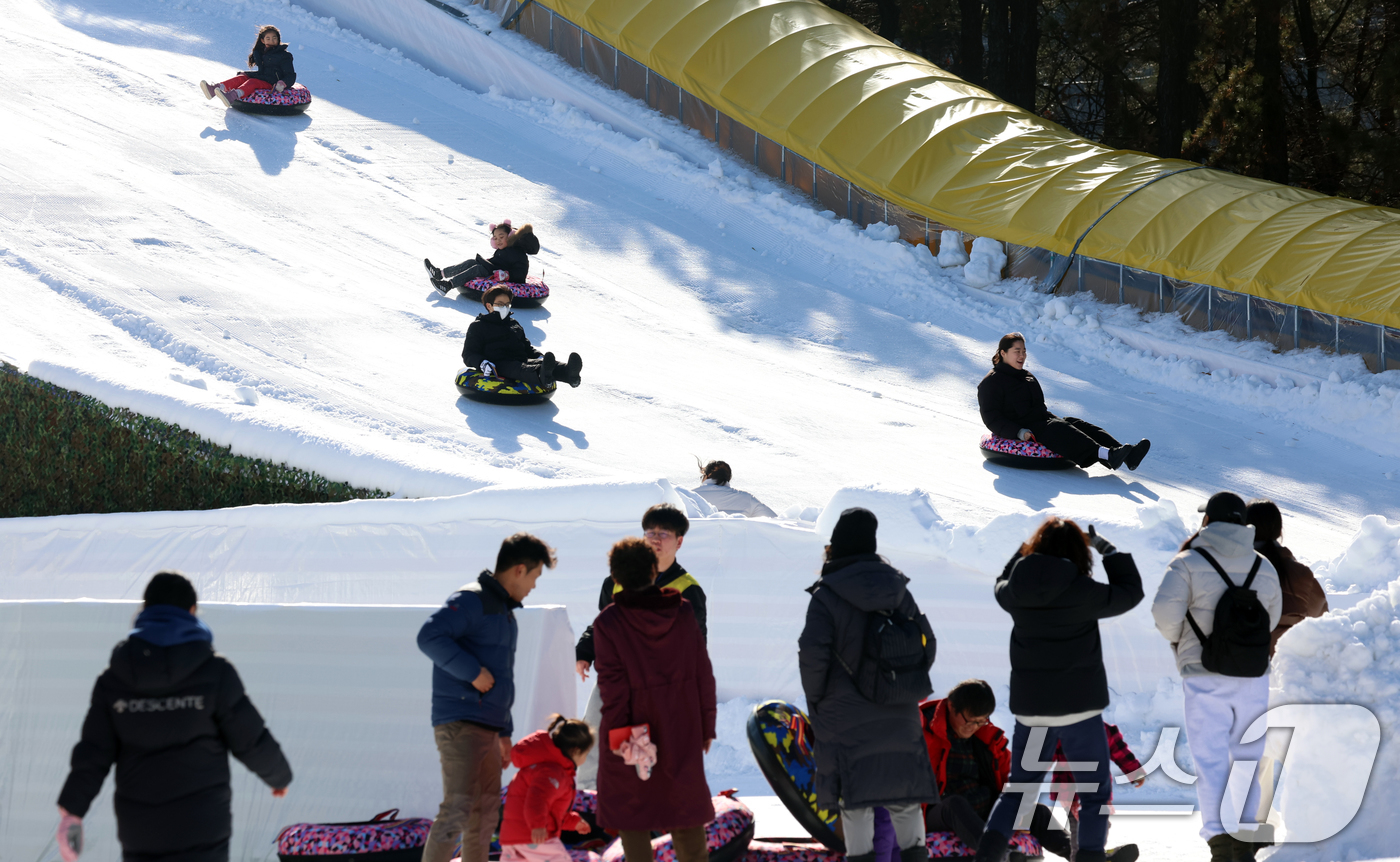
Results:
<point x="1114" y="123"/>
<point x="998" y="47"/>
<point x="1176" y="37"/>
<point x="1268" y="64"/>
<point x="1024" y="46"/>
<point x="969" y="66"/>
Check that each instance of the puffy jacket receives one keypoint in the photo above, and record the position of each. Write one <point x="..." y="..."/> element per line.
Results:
<point x="866" y="753"/>
<point x="499" y="339"/>
<point x="475" y="628"/>
<point x="274" y="64"/>
<point x="541" y="796"/>
<point x="1193" y="584"/>
<point x="733" y="501"/>
<point x="168" y="711"/>
<point x="1302" y="594"/>
<point x="1011" y="399"/>
<point x="1056" y="652"/>
<point x="676" y="578"/>
<point x="514" y="257"/>
<point x="935" y="719"/>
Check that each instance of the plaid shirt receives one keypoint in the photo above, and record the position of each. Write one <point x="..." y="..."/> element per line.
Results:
<point x="1118" y="752"/>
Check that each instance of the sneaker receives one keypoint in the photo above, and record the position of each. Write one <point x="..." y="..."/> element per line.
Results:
<point x="433" y="272"/>
<point x="206" y="89"/>
<point x="547" y="369"/>
<point x="440" y="286"/>
<point x="572" y="370"/>
<point x="1137" y="452"/>
<point x="223" y="98"/>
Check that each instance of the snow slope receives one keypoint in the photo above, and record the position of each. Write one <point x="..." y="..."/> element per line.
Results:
<point x="160" y="252"/>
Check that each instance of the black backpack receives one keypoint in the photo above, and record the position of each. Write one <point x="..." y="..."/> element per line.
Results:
<point x="1239" y="643"/>
<point x="894" y="662"/>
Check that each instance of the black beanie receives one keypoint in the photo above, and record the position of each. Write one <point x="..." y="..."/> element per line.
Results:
<point x="170" y="588"/>
<point x="854" y="533"/>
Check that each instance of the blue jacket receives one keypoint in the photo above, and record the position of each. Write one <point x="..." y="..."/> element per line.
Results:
<point x="476" y="628"/>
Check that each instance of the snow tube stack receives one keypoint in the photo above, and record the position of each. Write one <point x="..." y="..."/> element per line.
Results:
<point x="384" y="838"/>
<point x="531" y="294"/>
<point x="1026" y="455"/>
<point x="293" y="100"/>
<point x="727" y="837"/>
<point x="498" y="390"/>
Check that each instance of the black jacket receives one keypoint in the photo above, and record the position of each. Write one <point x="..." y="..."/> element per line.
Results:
<point x="514" y="258"/>
<point x="692" y="593"/>
<point x="274" y="64"/>
<point x="1056" y="654"/>
<point x="866" y="753"/>
<point x="1011" y="399"/>
<point x="168" y="717"/>
<point x="499" y="339"/>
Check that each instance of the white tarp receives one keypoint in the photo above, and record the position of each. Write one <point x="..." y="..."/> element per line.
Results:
<point x="342" y="687"/>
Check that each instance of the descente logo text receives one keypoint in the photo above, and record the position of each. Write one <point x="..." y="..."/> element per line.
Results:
<point x="159" y="704"/>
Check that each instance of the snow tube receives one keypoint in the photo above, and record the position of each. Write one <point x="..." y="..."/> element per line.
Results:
<point x="384" y="838"/>
<point x="293" y="100"/>
<point x="781" y="739"/>
<point x="941" y="845"/>
<point x="791" y="851"/>
<point x="1028" y="455"/>
<point x="531" y="294"/>
<point x="945" y="845"/>
<point x="497" y="390"/>
<point x="726" y="837"/>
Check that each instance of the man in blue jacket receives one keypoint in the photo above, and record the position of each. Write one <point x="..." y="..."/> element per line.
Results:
<point x="471" y="640"/>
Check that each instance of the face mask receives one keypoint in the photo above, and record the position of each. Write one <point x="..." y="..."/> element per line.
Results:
<point x="503" y="310"/>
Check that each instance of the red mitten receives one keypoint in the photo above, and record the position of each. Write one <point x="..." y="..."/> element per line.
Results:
<point x="501" y="275"/>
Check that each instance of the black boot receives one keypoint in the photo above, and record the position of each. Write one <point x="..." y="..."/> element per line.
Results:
<point x="1126" y="853"/>
<point x="433" y="272"/>
<point x="1137" y="452"/>
<point x="864" y="857"/>
<point x="440" y="286"/>
<point x="1056" y="841"/>
<point x="571" y="371"/>
<point x="1222" y="848"/>
<point x="992" y="847"/>
<point x="917" y="853"/>
<point x="1116" y="457"/>
<point x="547" y="369"/>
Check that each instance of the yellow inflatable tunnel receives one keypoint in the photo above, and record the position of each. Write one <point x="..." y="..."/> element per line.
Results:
<point x="846" y="101"/>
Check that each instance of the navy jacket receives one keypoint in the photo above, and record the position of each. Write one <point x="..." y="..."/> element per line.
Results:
<point x="167" y="712"/>
<point x="274" y="64"/>
<point x="476" y="628"/>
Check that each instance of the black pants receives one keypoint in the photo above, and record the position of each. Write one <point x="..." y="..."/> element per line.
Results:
<point x="526" y="372"/>
<point x="1075" y="439"/>
<point x="460" y="274"/>
<point x="217" y="852"/>
<point x="956" y="815"/>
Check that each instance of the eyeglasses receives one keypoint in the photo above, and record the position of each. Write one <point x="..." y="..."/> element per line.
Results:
<point x="659" y="535"/>
<point x="976" y="722"/>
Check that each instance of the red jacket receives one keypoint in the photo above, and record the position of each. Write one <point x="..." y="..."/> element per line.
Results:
<point x="653" y="669"/>
<point x="541" y="796"/>
<point x="935" y="720"/>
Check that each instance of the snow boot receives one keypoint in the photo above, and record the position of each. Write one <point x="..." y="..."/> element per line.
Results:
<point x="548" y="367"/>
<point x="223" y="98"/>
<point x="206" y="89"/>
<point x="993" y="847"/>
<point x="433" y="272"/>
<point x="1056" y="841"/>
<point x="1126" y="853"/>
<point x="864" y="857"/>
<point x="1137" y="452"/>
<point x="1222" y="848"/>
<point x="572" y="370"/>
<point x="440" y="286"/>
<point x="1090" y="855"/>
<point x="917" y="853"/>
<point x="1116" y="457"/>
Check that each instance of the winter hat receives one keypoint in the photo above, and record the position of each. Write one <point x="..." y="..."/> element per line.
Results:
<point x="1223" y="506"/>
<point x="854" y="533"/>
<point x="170" y="588"/>
<point x="505" y="223"/>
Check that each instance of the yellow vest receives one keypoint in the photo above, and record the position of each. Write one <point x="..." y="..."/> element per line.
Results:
<point x="680" y="585"/>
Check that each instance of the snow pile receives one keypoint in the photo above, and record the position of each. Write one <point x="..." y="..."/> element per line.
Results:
<point x="1371" y="561"/>
<point x="951" y="251"/>
<point x="986" y="263"/>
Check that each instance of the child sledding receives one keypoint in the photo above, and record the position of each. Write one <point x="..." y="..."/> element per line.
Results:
<point x="502" y="364"/>
<point x="271" y="89"/>
<point x="509" y="266"/>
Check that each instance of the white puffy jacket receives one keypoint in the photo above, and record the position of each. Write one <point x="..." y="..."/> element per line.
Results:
<point x="733" y="501"/>
<point x="1192" y="583"/>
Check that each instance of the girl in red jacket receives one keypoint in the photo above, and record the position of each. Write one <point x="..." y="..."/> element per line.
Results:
<point x="539" y="802"/>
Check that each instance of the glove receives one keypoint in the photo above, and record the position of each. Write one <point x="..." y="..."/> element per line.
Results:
<point x="487" y="368"/>
<point x="1102" y="545"/>
<point x="70" y="837"/>
<point x="1024" y="435"/>
<point x="501" y="275"/>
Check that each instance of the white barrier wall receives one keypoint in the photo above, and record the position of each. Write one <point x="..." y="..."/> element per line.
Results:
<point x="342" y="687"/>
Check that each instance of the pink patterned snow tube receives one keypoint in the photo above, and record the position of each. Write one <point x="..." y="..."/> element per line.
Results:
<point x="726" y="837"/>
<point x="293" y="95"/>
<point x="533" y="288"/>
<point x="1026" y="449"/>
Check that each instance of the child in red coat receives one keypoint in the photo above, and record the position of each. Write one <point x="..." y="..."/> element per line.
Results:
<point x="539" y="802"/>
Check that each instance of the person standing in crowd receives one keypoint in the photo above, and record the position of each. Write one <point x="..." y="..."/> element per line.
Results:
<point x="168" y="711"/>
<point x="471" y="640"/>
<point x="1013" y="406"/>
<point x="716" y="491"/>
<point x="653" y="670"/>
<point x="971" y="762"/>
<point x="1302" y="594"/>
<point x="1217" y="604"/>
<point x="664" y="527"/>
<point x="869" y="752"/>
<point x="1059" y="688"/>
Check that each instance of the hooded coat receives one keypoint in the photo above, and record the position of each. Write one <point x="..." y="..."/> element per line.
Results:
<point x="1303" y="596"/>
<point x="866" y="753"/>
<point x="498" y="339"/>
<point x="676" y="577"/>
<point x="541" y="795"/>
<point x="1193" y="584"/>
<point x="274" y="64"/>
<point x="168" y="711"/>
<point x="1011" y="399"/>
<point x="513" y="258"/>
<point x="1056" y="652"/>
<point x="653" y="669"/>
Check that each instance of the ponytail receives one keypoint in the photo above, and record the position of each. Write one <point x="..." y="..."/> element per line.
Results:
<point x="570" y="735"/>
<point x="1004" y="344"/>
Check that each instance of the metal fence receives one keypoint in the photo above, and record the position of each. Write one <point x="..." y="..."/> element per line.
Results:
<point x="1285" y="327"/>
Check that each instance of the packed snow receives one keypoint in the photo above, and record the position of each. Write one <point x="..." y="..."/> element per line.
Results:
<point x="259" y="281"/>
